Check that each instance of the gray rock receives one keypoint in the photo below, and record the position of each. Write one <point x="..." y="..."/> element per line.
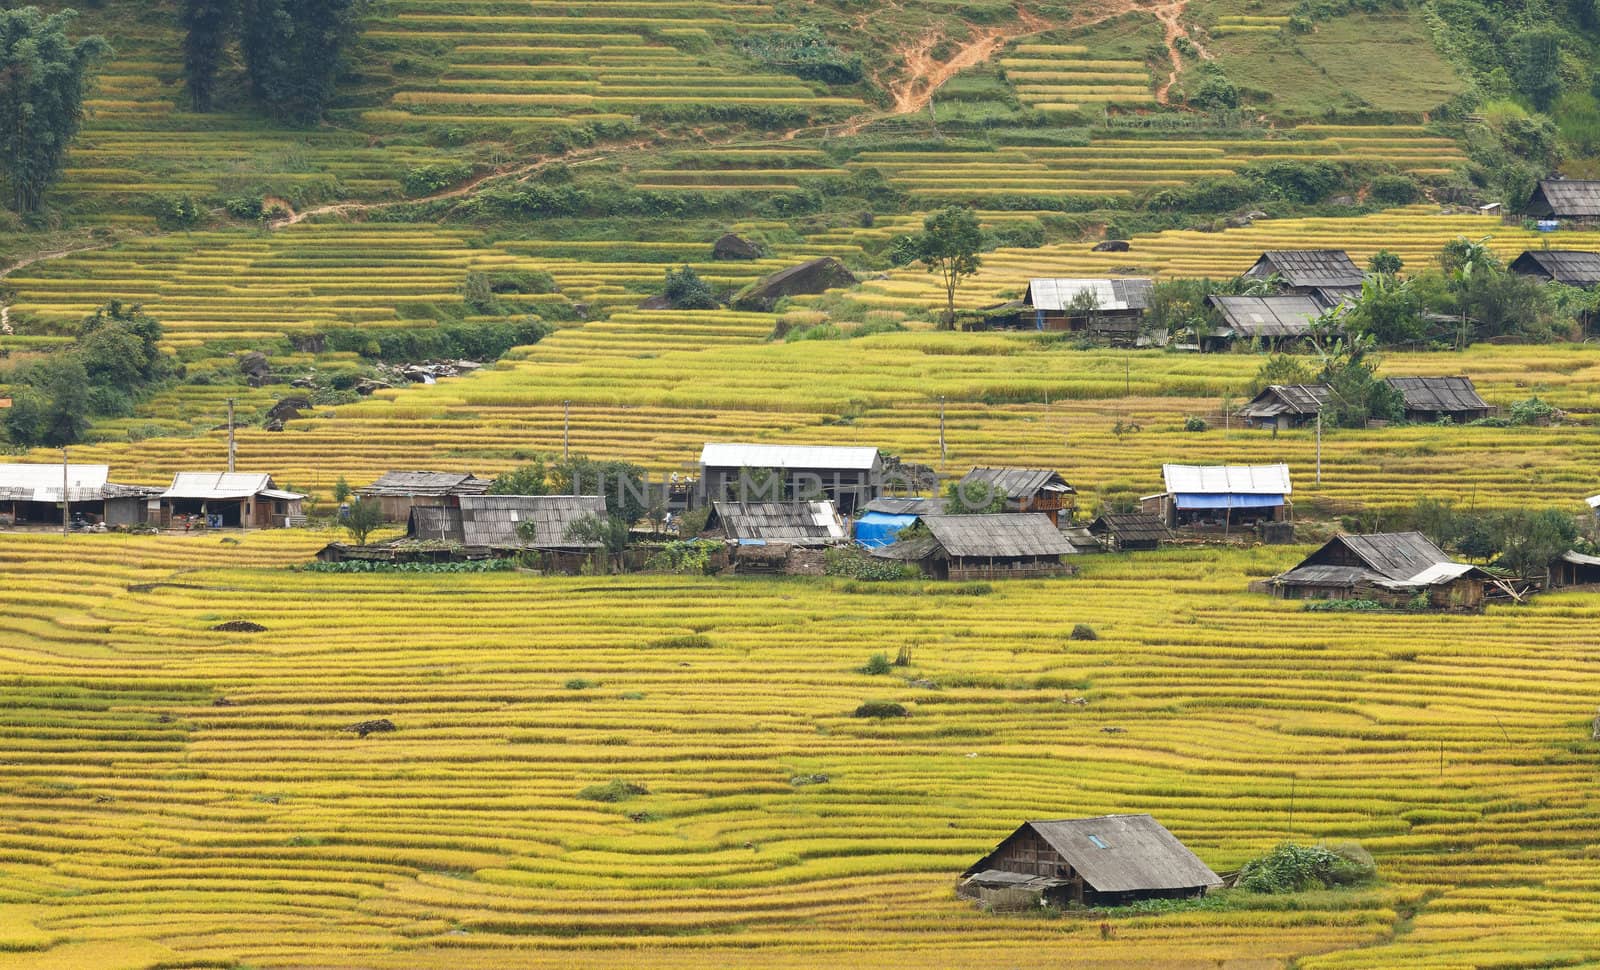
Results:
<point x="813" y="276"/>
<point x="731" y="246"/>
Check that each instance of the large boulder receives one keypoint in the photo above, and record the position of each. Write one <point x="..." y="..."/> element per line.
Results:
<point x="815" y="276"/>
<point x="254" y="366"/>
<point x="1112" y="246"/>
<point x="735" y="247"/>
<point x="286" y="409"/>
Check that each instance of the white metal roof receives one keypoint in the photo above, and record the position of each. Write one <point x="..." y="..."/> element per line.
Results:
<point x="1227" y="479"/>
<point x="203" y="485"/>
<point x="1594" y="501"/>
<point x="787" y="456"/>
<point x="42" y="483"/>
<point x="1118" y="294"/>
<point x="1442" y="572"/>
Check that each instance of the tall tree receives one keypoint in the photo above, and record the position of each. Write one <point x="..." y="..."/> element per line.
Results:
<point x="293" y="51"/>
<point x="948" y="246"/>
<point x="43" y="75"/>
<point x="207" y="25"/>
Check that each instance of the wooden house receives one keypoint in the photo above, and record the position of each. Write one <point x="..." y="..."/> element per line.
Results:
<point x="1571" y="267"/>
<point x="1109" y="309"/>
<point x="1565" y="201"/>
<point x="1129" y="531"/>
<point x="1273" y="321"/>
<point x="801" y="524"/>
<point x="397" y="492"/>
<point x="1220" y="497"/>
<point x="1002" y="546"/>
<point x="227" y="500"/>
<point x="1428" y="399"/>
<point x="1107" y="861"/>
<point x="1280" y="407"/>
<point x="1393" y="568"/>
<point x="1025" y="489"/>
<point x="848" y="477"/>
<point x="1574" y="569"/>
<point x="1327" y="275"/>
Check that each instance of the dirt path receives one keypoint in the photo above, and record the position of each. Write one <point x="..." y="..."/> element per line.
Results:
<point x="1171" y="17"/>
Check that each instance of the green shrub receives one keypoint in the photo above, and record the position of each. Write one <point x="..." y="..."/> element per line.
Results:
<point x="429" y="179"/>
<point x="579" y="683"/>
<point x="615" y="790"/>
<point x="878" y="663"/>
<point x="882" y="710"/>
<point x="1533" y="410"/>
<point x="858" y="565"/>
<point x="1082" y="631"/>
<point x="1292" y="868"/>
<point x="248" y="208"/>
<point x="1395" y="190"/>
<point x="1195" y="423"/>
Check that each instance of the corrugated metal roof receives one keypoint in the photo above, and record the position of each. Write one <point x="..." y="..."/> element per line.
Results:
<point x="1125" y="853"/>
<point x="403" y="483"/>
<point x="905" y="506"/>
<point x="435" y="523"/>
<point x="21" y="482"/>
<point x="1579" y="559"/>
<point x="1572" y="267"/>
<point x="219" y="485"/>
<point x="1394" y="555"/>
<point x="789" y="523"/>
<point x="735" y="455"/>
<point x="1449" y="394"/>
<point x="1268" y="316"/>
<point x="492" y="520"/>
<point x="1001" y="536"/>
<point x="1326" y="576"/>
<point x="1276" y="399"/>
<point x="1131" y="527"/>
<point x="1020" y="482"/>
<point x="1572" y="198"/>
<point x="1309" y="267"/>
<point x="1109" y="294"/>
<point x="1227" y="479"/>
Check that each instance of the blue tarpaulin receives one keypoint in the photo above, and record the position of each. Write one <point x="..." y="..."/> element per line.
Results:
<point x="877" y="529"/>
<point x="1197" y="500"/>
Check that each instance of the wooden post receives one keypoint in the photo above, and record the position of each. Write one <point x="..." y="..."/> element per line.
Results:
<point x="232" y="447"/>
<point x="66" y="504"/>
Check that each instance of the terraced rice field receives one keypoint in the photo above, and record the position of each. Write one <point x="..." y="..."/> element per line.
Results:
<point x="1118" y="166"/>
<point x="178" y="796"/>
<point x="1065" y="77"/>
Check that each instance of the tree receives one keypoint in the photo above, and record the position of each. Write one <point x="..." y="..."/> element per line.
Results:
<point x="685" y="290"/>
<point x="43" y="76"/>
<point x="206" y="25"/>
<point x="120" y="345"/>
<point x="1384" y="263"/>
<point x="1279" y="369"/>
<point x="1387" y="309"/>
<point x="1536" y="64"/>
<point x="1526" y="541"/>
<point x="530" y="479"/>
<point x="612" y="533"/>
<point x="624" y="485"/>
<point x="293" y="51"/>
<point x="341" y="490"/>
<point x="947" y="245"/>
<point x="362" y="518"/>
<point x="974" y="498"/>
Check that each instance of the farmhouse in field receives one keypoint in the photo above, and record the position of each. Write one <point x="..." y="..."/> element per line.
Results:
<point x="32" y="494"/>
<point x="884" y="518"/>
<point x="1025" y="489"/>
<point x="1129" y="531"/>
<point x="227" y="500"/>
<point x="1327" y="275"/>
<point x="1002" y="546"/>
<point x="398" y="492"/>
<point x="1272" y="320"/>
<point x="1565" y="200"/>
<point x="849" y="477"/>
<point x="1107" y="861"/>
<point x="1571" y="267"/>
<point x="1111" y="309"/>
<point x="1220" y="497"/>
<point x="1428" y="399"/>
<point x="491" y="522"/>
<point x="1393" y="568"/>
<point x="802" y="524"/>
<point x="1280" y="407"/>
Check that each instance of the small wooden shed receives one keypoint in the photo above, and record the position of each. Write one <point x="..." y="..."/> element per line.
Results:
<point x="1329" y="276"/>
<point x="1130" y="531"/>
<point x="1429" y="399"/>
<point x="1111" y="860"/>
<point x="1571" y="267"/>
<point x="1109" y="309"/>
<point x="1280" y="407"/>
<point x="1272" y="320"/>
<point x="1003" y="546"/>
<point x="1565" y="200"/>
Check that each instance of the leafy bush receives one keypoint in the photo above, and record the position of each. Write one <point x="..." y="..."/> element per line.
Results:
<point x="434" y="178"/>
<point x="178" y="212"/>
<point x="881" y="710"/>
<point x="1343" y="606"/>
<point x="1533" y="410"/>
<point x="805" y="53"/>
<point x="248" y="208"/>
<point x="368" y="566"/>
<point x="1082" y="631"/>
<point x="615" y="790"/>
<point x="691" y="556"/>
<point x="858" y="565"/>
<point x="1195" y="423"/>
<point x="685" y="290"/>
<point x="1395" y="190"/>
<point x="878" y="663"/>
<point x="1294" y="868"/>
<point x="474" y="341"/>
<point x="580" y="683"/>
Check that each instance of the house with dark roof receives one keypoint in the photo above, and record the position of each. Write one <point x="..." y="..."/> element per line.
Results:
<point x="1571" y="267"/>
<point x="1392" y="567"/>
<point x="1573" y="568"/>
<point x="1129" y="531"/>
<point x="494" y="522"/>
<point x="1220" y="497"/>
<point x="1273" y="321"/>
<point x="1327" y="275"/>
<point x="803" y="524"/>
<point x="1428" y="399"/>
<point x="397" y="492"/>
<point x="1107" y="861"/>
<point x="1565" y="200"/>
<point x="1002" y="546"/>
<point x="1026" y="490"/>
<point x="1110" y="309"/>
<point x="1282" y="406"/>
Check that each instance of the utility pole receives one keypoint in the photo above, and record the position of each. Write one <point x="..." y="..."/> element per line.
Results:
<point x="941" y="433"/>
<point x="66" y="503"/>
<point x="232" y="447"/>
<point x="566" y="429"/>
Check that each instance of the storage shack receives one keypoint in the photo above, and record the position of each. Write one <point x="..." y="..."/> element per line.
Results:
<point x="1108" y="309"/>
<point x="227" y="500"/>
<point x="1002" y="546"/>
<point x="1274" y="321"/>
<point x="1130" y="531"/>
<point x="1329" y="276"/>
<point x="803" y="524"/>
<point x="1280" y="407"/>
<point x="1428" y="399"/>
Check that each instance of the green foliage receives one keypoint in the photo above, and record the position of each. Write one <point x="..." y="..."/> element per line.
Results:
<point x="1536" y="64"/>
<point x="881" y="710"/>
<point x="691" y="556"/>
<point x="43" y="77"/>
<point x="1180" y="304"/>
<point x="341" y="490"/>
<point x="207" y="26"/>
<point x="1389" y="310"/>
<point x="178" y="212"/>
<point x="611" y="532"/>
<point x="1523" y="541"/>
<point x="478" y="294"/>
<point x="1214" y="91"/>
<point x="1082" y="631"/>
<point x="806" y="53"/>
<point x="622" y="483"/>
<point x="974" y="497"/>
<point x="1279" y="369"/>
<point x="877" y="664"/>
<point x="1195" y="423"/>
<point x="1384" y="263"/>
<point x="615" y="790"/>
<point x="1343" y="606"/>
<point x="473" y="341"/>
<point x="248" y="207"/>
<point x="685" y="290"/>
<point x="1292" y="868"/>
<point x="855" y="564"/>
<point x="1532" y="410"/>
<point x="428" y="179"/>
<point x="947" y="245"/>
<point x="294" y="50"/>
<point x="530" y="479"/>
<point x="363" y="517"/>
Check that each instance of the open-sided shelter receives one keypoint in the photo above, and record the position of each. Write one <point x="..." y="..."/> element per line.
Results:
<point x="1106" y="861"/>
<point x="33" y="493"/>
<point x="1130" y="531"/>
<point x="224" y="500"/>
<point x="1221" y="496"/>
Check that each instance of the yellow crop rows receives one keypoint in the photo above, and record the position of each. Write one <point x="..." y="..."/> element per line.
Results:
<point x="172" y="795"/>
